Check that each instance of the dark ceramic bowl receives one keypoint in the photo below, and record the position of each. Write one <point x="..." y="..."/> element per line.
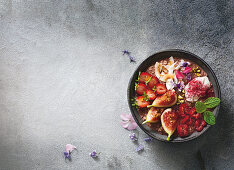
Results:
<point x="151" y="60"/>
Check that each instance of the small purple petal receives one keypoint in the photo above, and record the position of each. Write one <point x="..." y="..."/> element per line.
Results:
<point x="133" y="137"/>
<point x="185" y="64"/>
<point x="132" y="59"/>
<point x="126" y="52"/>
<point x="140" y="148"/>
<point x="67" y="155"/>
<point x="149" y="139"/>
<point x="178" y="85"/>
<point x="93" y="154"/>
<point x="189" y="77"/>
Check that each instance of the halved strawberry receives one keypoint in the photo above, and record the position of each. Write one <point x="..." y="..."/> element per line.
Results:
<point x="153" y="81"/>
<point x="141" y="101"/>
<point x="141" y="88"/>
<point x="144" y="77"/>
<point x="161" y="89"/>
<point x="151" y="95"/>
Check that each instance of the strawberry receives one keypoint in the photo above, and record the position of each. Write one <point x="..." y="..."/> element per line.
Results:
<point x="144" y="77"/>
<point x="153" y="81"/>
<point x="151" y="95"/>
<point x="142" y="102"/>
<point x="141" y="88"/>
<point x="182" y="130"/>
<point x="161" y="89"/>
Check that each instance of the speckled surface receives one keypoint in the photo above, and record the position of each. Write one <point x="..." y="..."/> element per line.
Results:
<point x="63" y="80"/>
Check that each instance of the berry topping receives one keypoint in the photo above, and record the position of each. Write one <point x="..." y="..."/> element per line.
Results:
<point x="151" y="95"/>
<point x="142" y="102"/>
<point x="161" y="89"/>
<point x="144" y="77"/>
<point x="153" y="81"/>
<point x="141" y="88"/>
<point x="182" y="130"/>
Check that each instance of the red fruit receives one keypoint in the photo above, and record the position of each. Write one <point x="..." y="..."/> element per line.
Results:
<point x="151" y="95"/>
<point x="183" y="109"/>
<point x="144" y="77"/>
<point x="196" y="116"/>
<point x="190" y="122"/>
<point x="161" y="89"/>
<point x="141" y="88"/>
<point x="184" y="120"/>
<point x="200" y="128"/>
<point x="153" y="82"/>
<point x="192" y="111"/>
<point x="141" y="102"/>
<point x="203" y="123"/>
<point x="182" y="130"/>
<point x="197" y="123"/>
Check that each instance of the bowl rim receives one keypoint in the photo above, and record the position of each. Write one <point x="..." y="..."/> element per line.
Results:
<point x="129" y="97"/>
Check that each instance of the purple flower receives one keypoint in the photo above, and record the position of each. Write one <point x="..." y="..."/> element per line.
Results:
<point x="67" y="155"/>
<point x="93" y="154"/>
<point x="132" y="59"/>
<point x="178" y="85"/>
<point x="189" y="77"/>
<point x="185" y="64"/>
<point x="140" y="148"/>
<point x="149" y="139"/>
<point x="133" y="137"/>
<point x="126" y="52"/>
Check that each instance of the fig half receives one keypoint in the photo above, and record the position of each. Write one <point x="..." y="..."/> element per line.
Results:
<point x="153" y="116"/>
<point x="169" y="121"/>
<point x="166" y="100"/>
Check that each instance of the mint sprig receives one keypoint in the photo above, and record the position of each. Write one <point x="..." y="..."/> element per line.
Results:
<point x="210" y="102"/>
<point x="200" y="107"/>
<point x="209" y="117"/>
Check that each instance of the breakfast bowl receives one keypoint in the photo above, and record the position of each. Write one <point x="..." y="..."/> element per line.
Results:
<point x="174" y="96"/>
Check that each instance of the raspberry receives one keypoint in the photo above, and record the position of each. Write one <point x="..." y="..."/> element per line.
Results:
<point x="182" y="130"/>
<point x="184" y="120"/>
<point x="203" y="123"/>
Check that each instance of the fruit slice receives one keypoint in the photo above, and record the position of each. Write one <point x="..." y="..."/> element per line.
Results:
<point x="167" y="100"/>
<point x="141" y="88"/>
<point x="151" y="95"/>
<point x="144" y="77"/>
<point x="160" y="89"/>
<point x="141" y="102"/>
<point x="169" y="122"/>
<point x="153" y="81"/>
<point x="153" y="116"/>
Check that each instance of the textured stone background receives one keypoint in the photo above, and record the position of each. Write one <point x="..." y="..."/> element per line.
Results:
<point x="63" y="80"/>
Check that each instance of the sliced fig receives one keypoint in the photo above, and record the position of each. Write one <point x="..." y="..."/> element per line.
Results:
<point x="166" y="100"/>
<point x="169" y="121"/>
<point x="153" y="116"/>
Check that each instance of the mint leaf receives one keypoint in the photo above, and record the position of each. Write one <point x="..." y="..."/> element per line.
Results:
<point x="209" y="117"/>
<point x="212" y="102"/>
<point x="200" y="107"/>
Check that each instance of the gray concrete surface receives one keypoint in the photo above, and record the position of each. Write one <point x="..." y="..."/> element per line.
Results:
<point x="63" y="80"/>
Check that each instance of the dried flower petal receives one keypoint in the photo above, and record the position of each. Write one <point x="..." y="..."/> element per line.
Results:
<point x="126" y="52"/>
<point x="70" y="148"/>
<point x="179" y="75"/>
<point x="185" y="64"/>
<point x="128" y="122"/>
<point x="132" y="59"/>
<point x="93" y="154"/>
<point x="187" y="70"/>
<point x="140" y="148"/>
<point x="133" y="137"/>
<point x="149" y="139"/>
<point x="67" y="155"/>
